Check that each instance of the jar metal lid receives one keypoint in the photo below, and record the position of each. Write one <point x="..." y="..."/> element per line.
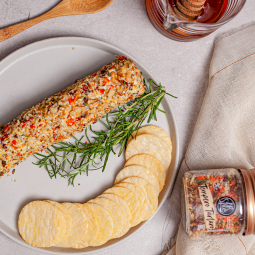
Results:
<point x="249" y="189"/>
<point x="252" y="175"/>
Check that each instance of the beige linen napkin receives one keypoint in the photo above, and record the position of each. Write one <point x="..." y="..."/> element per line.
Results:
<point x="224" y="135"/>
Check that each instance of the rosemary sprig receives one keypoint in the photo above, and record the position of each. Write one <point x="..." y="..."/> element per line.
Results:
<point x="83" y="156"/>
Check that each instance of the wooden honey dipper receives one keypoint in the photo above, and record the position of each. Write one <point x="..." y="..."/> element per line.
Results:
<point x="189" y="9"/>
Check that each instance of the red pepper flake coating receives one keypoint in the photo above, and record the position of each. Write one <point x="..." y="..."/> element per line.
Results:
<point x="66" y="113"/>
<point x="222" y="183"/>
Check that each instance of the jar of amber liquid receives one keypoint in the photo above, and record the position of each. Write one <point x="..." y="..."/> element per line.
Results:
<point x="219" y="202"/>
<point x="215" y="13"/>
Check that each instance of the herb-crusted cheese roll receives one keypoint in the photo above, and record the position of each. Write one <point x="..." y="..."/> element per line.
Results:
<point x="60" y="116"/>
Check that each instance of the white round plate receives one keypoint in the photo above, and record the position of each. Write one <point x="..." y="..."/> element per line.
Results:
<point x="40" y="70"/>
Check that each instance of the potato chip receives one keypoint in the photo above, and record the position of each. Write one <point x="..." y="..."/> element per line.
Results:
<point x="127" y="196"/>
<point x="152" y="198"/>
<point x="115" y="212"/>
<point x="139" y="214"/>
<point x="152" y="130"/>
<point x="124" y="208"/>
<point x="152" y="145"/>
<point x="67" y="217"/>
<point x="79" y="227"/>
<point x="138" y="171"/>
<point x="92" y="231"/>
<point x="41" y="224"/>
<point x="105" y="223"/>
<point x="150" y="163"/>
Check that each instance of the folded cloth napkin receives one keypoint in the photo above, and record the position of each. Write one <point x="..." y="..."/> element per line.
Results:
<point x="224" y="135"/>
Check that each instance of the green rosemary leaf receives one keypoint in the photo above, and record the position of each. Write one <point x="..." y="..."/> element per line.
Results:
<point x="107" y="126"/>
<point x="171" y="95"/>
<point x="86" y="133"/>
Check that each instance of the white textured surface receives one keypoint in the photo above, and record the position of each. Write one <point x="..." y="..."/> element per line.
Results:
<point x="181" y="67"/>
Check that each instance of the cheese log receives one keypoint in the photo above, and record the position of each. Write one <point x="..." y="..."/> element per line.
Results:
<point x="68" y="112"/>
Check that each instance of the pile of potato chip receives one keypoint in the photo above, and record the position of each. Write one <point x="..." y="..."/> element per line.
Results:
<point x="132" y="199"/>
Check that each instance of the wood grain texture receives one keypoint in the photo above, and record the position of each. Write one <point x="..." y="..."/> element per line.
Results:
<point x="64" y="8"/>
<point x="191" y="6"/>
<point x="189" y="9"/>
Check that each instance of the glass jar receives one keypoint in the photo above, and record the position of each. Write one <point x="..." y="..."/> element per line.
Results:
<point x="163" y="17"/>
<point x="219" y="202"/>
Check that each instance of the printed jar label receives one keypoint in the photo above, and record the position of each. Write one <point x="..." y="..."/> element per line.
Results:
<point x="208" y="207"/>
<point x="226" y="206"/>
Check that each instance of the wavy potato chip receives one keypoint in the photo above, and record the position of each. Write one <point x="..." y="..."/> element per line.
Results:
<point x="124" y="208"/>
<point x="105" y="223"/>
<point x="150" y="163"/>
<point x="92" y="231"/>
<point x="41" y="224"/>
<point x="138" y="171"/>
<point x="140" y="213"/>
<point x="152" y="145"/>
<point x="153" y="130"/>
<point x="66" y="215"/>
<point x="79" y="227"/>
<point x="151" y="196"/>
<point x="115" y="212"/>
